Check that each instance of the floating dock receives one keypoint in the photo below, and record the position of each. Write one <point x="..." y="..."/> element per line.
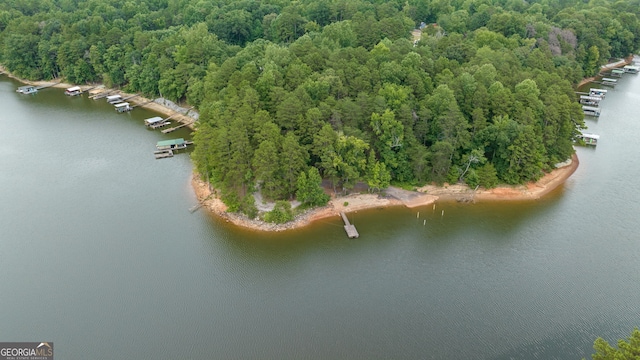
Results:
<point x="161" y="154"/>
<point x="352" y="233"/>
<point x="27" y="89"/>
<point x="166" y="131"/>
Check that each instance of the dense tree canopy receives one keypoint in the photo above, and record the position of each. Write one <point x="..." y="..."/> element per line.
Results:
<point x="484" y="96"/>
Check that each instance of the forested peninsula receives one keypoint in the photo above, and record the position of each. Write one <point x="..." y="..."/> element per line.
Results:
<point x="292" y="94"/>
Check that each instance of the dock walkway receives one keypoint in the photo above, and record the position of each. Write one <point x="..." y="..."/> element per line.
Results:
<point x="166" y="131"/>
<point x="352" y="233"/>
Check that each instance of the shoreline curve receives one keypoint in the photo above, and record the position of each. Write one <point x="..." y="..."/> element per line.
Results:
<point x="425" y="196"/>
<point x="139" y="100"/>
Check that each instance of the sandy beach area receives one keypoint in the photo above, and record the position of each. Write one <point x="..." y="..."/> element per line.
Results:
<point x="424" y="196"/>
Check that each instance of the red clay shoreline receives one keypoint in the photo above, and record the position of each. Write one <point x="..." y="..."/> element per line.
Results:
<point x="425" y="196"/>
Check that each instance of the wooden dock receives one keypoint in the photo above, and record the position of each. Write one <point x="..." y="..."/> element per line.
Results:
<point x="47" y="86"/>
<point x="195" y="207"/>
<point x="89" y="89"/>
<point x="161" y="154"/>
<point x="142" y="104"/>
<point x="130" y="97"/>
<point x="102" y="94"/>
<point x="159" y="125"/>
<point x="352" y="233"/>
<point x="166" y="131"/>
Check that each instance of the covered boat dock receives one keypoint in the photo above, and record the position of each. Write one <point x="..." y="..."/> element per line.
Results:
<point x="156" y="122"/>
<point x="123" y="107"/>
<point x="590" y="100"/>
<point x="589" y="139"/>
<point x="173" y="144"/>
<point x="598" y="92"/>
<point x="73" y="91"/>
<point x="617" y="72"/>
<point x="591" y="110"/>
<point x="114" y="99"/>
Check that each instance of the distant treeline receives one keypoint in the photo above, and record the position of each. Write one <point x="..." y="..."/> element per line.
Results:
<point x="288" y="90"/>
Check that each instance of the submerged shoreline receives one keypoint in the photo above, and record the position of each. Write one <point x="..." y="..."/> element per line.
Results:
<point x="424" y="196"/>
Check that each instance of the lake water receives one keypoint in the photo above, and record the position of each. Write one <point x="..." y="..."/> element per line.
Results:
<point x="100" y="254"/>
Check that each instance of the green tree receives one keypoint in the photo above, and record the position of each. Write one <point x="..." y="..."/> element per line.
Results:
<point x="592" y="64"/>
<point x="378" y="177"/>
<point x="323" y="150"/>
<point x="487" y="176"/>
<point x="389" y="137"/>
<point x="241" y="154"/>
<point x="441" y="154"/>
<point x="350" y="160"/>
<point x="266" y="164"/>
<point x="280" y="214"/>
<point x="292" y="163"/>
<point x="627" y="350"/>
<point x="310" y="190"/>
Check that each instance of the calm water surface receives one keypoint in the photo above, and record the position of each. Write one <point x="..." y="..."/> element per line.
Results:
<point x="99" y="254"/>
